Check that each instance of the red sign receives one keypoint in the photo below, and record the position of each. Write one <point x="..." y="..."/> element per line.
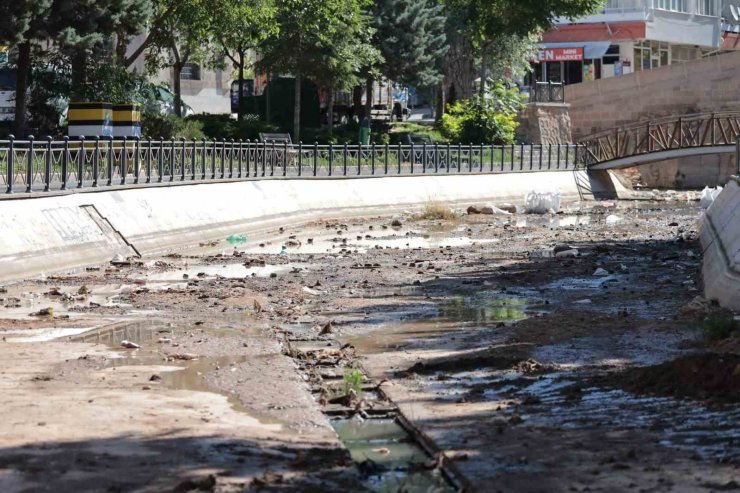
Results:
<point x="560" y="55"/>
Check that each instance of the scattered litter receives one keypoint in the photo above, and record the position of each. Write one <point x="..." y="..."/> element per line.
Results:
<point x="310" y="291"/>
<point x="381" y="451"/>
<point x="129" y="345"/>
<point x="708" y="196"/>
<point x="44" y="312"/>
<point x="567" y="254"/>
<point x="600" y="272"/>
<point x="612" y="220"/>
<point x="236" y="239"/>
<point x="542" y="202"/>
<point x="491" y="209"/>
<point x="583" y="302"/>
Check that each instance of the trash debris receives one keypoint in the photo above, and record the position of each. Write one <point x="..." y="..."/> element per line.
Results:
<point x="129" y="345"/>
<point x="236" y="239"/>
<point x="491" y="209"/>
<point x="601" y="272"/>
<point x="583" y="302"/>
<point x="44" y="312"/>
<point x="708" y="196"/>
<point x="183" y="356"/>
<point x="612" y="220"/>
<point x="310" y="291"/>
<point x="542" y="202"/>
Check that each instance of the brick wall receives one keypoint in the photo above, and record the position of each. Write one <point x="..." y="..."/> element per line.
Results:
<point x="700" y="86"/>
<point x="545" y="123"/>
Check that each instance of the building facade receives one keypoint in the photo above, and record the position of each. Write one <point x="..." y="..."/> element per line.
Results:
<point x="626" y="36"/>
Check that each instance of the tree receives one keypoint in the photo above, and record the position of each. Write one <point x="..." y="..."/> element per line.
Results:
<point x="180" y="37"/>
<point x="490" y="22"/>
<point x="306" y="29"/>
<point x="411" y="37"/>
<point x="239" y="26"/>
<point x="22" y="23"/>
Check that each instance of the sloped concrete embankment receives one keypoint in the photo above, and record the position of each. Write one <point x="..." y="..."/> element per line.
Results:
<point x="47" y="234"/>
<point x="720" y="238"/>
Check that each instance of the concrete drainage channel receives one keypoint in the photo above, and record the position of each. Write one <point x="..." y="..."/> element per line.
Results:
<point x="390" y="453"/>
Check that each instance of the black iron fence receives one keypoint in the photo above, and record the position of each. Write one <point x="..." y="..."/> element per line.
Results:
<point x="49" y="165"/>
<point x="547" y="92"/>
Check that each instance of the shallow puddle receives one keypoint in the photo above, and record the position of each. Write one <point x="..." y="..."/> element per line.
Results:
<point x="228" y="271"/>
<point x="390" y="460"/>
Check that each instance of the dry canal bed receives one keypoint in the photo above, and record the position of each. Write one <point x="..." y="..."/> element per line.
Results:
<point x="490" y="353"/>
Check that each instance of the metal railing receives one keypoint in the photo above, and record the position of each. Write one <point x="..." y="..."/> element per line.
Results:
<point x="547" y="92"/>
<point x="49" y="165"/>
<point x="683" y="132"/>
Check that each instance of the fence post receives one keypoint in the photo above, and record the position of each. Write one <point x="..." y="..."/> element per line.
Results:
<point x="183" y="166"/>
<point x="11" y="164"/>
<point x="172" y="159"/>
<point x="531" y="157"/>
<point x="109" y="162"/>
<point x="331" y="156"/>
<point x="513" y="156"/>
<point x="557" y="165"/>
<point x="680" y="132"/>
<point x="344" y="160"/>
<point x="372" y="160"/>
<point x="649" y="139"/>
<point x="521" y="157"/>
<point x="714" y="136"/>
<point x="231" y="158"/>
<point x="567" y="155"/>
<point x="160" y="161"/>
<point x="96" y="161"/>
<point x="149" y="161"/>
<point x="493" y="155"/>
<point x="480" y="159"/>
<point x="203" y="164"/>
<point x="385" y="159"/>
<point x="359" y="159"/>
<point x="300" y="159"/>
<point x="223" y="158"/>
<point x="400" y="157"/>
<point x="47" y="164"/>
<point x="412" y="157"/>
<point x="124" y="161"/>
<point x="241" y="151"/>
<point x="65" y="163"/>
<point x="737" y="154"/>
<point x="29" y="164"/>
<point x="315" y="157"/>
<point x="213" y="159"/>
<point x="137" y="163"/>
<point x="193" y="159"/>
<point x="81" y="162"/>
<point x="470" y="157"/>
<point x="285" y="158"/>
<point x="449" y="157"/>
<point x="424" y="157"/>
<point x="549" y="156"/>
<point x="459" y="157"/>
<point x="436" y="158"/>
<point x="249" y="150"/>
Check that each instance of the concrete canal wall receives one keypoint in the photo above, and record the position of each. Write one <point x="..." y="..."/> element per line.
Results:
<point x="720" y="238"/>
<point x="52" y="233"/>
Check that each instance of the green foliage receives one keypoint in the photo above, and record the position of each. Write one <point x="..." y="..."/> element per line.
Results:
<point x="352" y="380"/>
<point x="156" y="126"/>
<point x="484" y="120"/>
<point x="720" y="326"/>
<point x="224" y="127"/>
<point x="399" y="132"/>
<point x="411" y="37"/>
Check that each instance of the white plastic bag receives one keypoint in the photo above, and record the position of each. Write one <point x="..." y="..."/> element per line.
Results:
<point x="542" y="202"/>
<point x="708" y="196"/>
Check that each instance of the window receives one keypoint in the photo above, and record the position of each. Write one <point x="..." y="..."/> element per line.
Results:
<point x="612" y="55"/>
<point x="190" y="71"/>
<point x="651" y="54"/>
<point x="675" y="5"/>
<point x="706" y="7"/>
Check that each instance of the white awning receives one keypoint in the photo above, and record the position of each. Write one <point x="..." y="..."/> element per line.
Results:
<point x="591" y="50"/>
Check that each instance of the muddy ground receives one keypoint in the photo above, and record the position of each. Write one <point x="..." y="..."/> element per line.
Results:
<point x="562" y="352"/>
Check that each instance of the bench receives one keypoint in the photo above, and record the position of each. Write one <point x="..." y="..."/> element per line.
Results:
<point x="276" y="138"/>
<point x="280" y="141"/>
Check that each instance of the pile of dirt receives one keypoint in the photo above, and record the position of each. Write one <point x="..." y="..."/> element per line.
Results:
<point x="712" y="377"/>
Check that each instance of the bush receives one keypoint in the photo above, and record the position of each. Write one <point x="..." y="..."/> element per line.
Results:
<point x="224" y="127"/>
<point x="484" y="120"/>
<point x="156" y="126"/>
<point x="720" y="326"/>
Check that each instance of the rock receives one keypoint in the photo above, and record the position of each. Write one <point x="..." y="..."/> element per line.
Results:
<point x="183" y="356"/>
<point x="600" y="272"/>
<point x="155" y="378"/>
<point x="396" y="223"/>
<point x="327" y="329"/>
<point x="472" y="210"/>
<point x="310" y="291"/>
<point x="612" y="220"/>
<point x="129" y="345"/>
<point x="567" y="254"/>
<point x="44" y="312"/>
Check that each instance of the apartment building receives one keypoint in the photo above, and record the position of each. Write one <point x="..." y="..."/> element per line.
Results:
<point x="626" y="36"/>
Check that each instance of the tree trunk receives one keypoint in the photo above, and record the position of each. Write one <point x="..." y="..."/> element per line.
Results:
<point x="267" y="97"/>
<point x="483" y="72"/>
<point x="121" y="46"/>
<point x="369" y="97"/>
<point x="240" y="105"/>
<point x="297" y="110"/>
<point x="357" y="101"/>
<point x="441" y="103"/>
<point x="21" y="88"/>
<point x="330" y="109"/>
<point x="177" y="69"/>
<point x="79" y="70"/>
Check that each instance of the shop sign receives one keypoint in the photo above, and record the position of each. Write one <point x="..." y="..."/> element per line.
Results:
<point x="560" y="55"/>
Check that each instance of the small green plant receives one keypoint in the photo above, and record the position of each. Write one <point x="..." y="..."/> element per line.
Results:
<point x="720" y="326"/>
<point x="352" y="381"/>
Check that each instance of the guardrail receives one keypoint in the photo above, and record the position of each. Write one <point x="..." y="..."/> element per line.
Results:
<point x="671" y="133"/>
<point x="49" y="165"/>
